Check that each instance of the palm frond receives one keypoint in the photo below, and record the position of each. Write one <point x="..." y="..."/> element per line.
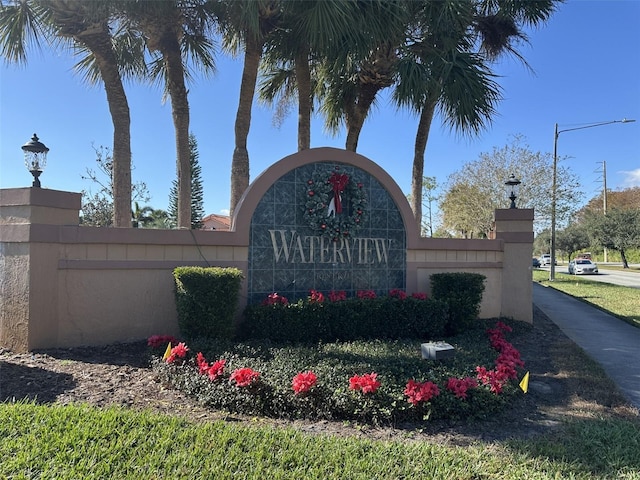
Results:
<point x="23" y="26"/>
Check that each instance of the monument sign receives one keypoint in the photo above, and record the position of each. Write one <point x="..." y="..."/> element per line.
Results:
<point x="325" y="226"/>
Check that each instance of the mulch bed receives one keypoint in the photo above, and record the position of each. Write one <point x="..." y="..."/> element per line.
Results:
<point x="120" y="375"/>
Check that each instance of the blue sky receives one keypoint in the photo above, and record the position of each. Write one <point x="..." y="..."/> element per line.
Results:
<point x="586" y="64"/>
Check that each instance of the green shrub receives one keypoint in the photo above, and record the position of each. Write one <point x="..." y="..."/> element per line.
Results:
<point x="206" y="300"/>
<point x="395" y="362"/>
<point x="463" y="294"/>
<point x="351" y="319"/>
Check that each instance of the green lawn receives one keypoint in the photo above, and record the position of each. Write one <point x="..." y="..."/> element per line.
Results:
<point x="623" y="302"/>
<point x="72" y="442"/>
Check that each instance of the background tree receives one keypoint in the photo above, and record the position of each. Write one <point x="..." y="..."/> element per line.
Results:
<point x="197" y="194"/>
<point x="542" y="242"/>
<point x="464" y="209"/>
<point x="159" y="219"/>
<point x="97" y="208"/>
<point x="572" y="239"/>
<point x="141" y="216"/>
<point x="625" y="198"/>
<point x="619" y="229"/>
<point x="484" y="180"/>
<point x="429" y="196"/>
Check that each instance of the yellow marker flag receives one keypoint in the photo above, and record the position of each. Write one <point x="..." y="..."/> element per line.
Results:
<point x="524" y="383"/>
<point x="167" y="352"/>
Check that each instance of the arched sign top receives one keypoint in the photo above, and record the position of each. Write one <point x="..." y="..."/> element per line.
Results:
<point x="246" y="206"/>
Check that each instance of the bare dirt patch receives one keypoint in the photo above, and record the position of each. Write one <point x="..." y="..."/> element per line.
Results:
<point x="564" y="383"/>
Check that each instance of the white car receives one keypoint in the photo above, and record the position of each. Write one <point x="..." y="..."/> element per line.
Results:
<point x="582" y="266"/>
<point x="545" y="260"/>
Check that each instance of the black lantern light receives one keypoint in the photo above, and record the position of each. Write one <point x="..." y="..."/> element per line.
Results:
<point x="513" y="182"/>
<point x="35" y="158"/>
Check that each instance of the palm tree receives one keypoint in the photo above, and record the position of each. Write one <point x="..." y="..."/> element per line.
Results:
<point x="141" y="216"/>
<point x="245" y="24"/>
<point x="445" y="66"/>
<point x="352" y="78"/>
<point x="310" y="32"/>
<point x="87" y="26"/>
<point x="176" y="30"/>
<point x="159" y="219"/>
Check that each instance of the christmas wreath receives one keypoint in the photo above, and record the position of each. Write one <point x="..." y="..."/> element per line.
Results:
<point x="335" y="204"/>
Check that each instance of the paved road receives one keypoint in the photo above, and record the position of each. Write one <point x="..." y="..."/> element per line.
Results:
<point x="617" y="277"/>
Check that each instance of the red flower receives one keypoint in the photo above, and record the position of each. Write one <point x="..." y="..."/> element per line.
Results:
<point x="419" y="295"/>
<point x="177" y="352"/>
<point x="203" y="366"/>
<point x="275" y="299"/>
<point x="459" y="386"/>
<point x="315" y="296"/>
<point x="506" y="364"/>
<point x="397" y="293"/>
<point x="337" y="296"/>
<point x="216" y="370"/>
<point x="366" y="383"/>
<point x="244" y="377"/>
<point x="311" y="193"/>
<point x="303" y="382"/>
<point x="366" y="294"/>
<point x="420" y="392"/>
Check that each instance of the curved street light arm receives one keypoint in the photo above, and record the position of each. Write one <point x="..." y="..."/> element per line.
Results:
<point x="552" y="272"/>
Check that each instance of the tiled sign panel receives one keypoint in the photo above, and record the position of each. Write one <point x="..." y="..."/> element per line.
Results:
<point x="289" y="256"/>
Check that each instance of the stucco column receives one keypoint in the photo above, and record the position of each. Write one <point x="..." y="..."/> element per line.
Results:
<point x="515" y="228"/>
<point x="28" y="268"/>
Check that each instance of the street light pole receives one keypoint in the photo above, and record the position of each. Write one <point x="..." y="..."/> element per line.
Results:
<point x="604" y="197"/>
<point x="554" y="185"/>
<point x="552" y="271"/>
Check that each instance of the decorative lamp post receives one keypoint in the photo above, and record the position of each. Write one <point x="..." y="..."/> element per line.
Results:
<point x="35" y="158"/>
<point x="513" y="182"/>
<point x="554" y="185"/>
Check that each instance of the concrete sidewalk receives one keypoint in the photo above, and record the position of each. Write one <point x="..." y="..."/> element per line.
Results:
<point x="614" y="344"/>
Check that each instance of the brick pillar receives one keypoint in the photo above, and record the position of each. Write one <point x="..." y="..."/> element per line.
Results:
<point x="30" y="219"/>
<point x="515" y="227"/>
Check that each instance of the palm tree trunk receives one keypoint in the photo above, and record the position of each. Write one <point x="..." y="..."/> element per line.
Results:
<point x="99" y="43"/>
<point x="180" y="112"/>
<point x="356" y="114"/>
<point x="240" y="161"/>
<point x="303" y="79"/>
<point x="417" y="173"/>
<point x="354" y="127"/>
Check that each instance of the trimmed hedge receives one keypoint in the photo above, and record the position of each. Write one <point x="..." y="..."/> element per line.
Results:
<point x="206" y="300"/>
<point x="351" y="319"/>
<point x="463" y="294"/>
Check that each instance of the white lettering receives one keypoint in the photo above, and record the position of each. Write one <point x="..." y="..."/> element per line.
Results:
<point x="288" y="246"/>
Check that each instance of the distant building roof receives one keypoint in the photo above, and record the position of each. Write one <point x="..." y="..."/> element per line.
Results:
<point x="216" y="222"/>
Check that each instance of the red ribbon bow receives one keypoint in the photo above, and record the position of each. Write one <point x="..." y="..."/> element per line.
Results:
<point x="339" y="182"/>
